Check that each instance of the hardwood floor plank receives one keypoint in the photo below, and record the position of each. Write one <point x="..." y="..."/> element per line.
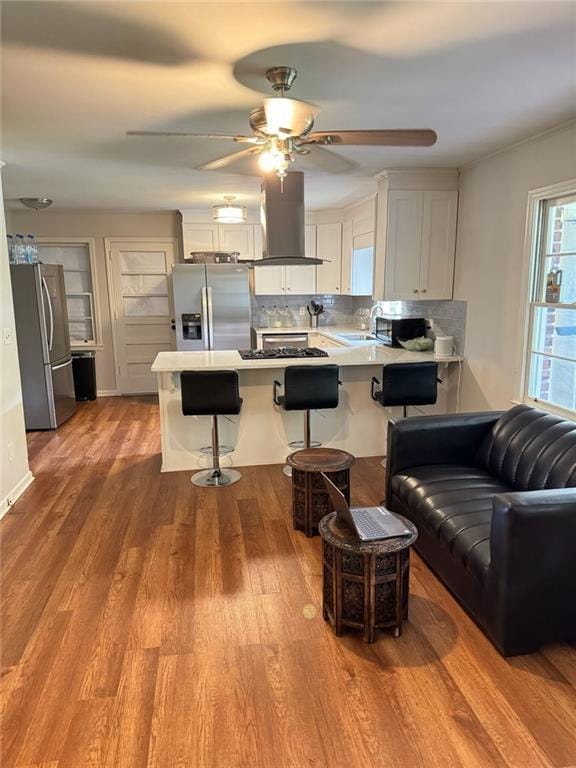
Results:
<point x="132" y="713"/>
<point x="148" y="623"/>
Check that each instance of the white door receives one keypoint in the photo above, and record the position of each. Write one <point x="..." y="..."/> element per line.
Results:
<point x="237" y="237"/>
<point x="404" y="244"/>
<point x="140" y="276"/>
<point x="329" y="247"/>
<point x="438" y="244"/>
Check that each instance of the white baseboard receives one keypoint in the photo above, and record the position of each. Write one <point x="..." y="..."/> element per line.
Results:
<point x="11" y="498"/>
<point x="107" y="393"/>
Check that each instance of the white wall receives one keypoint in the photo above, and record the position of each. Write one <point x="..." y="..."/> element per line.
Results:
<point x="99" y="225"/>
<point x="490" y="255"/>
<point x="15" y="475"/>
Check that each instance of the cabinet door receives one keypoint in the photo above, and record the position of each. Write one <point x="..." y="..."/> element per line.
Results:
<point x="329" y="247"/>
<point x="362" y="265"/>
<point x="268" y="281"/>
<point x="438" y="244"/>
<point x="404" y="244"/>
<point x="237" y="237"/>
<point x="200" y="237"/>
<point x="300" y="279"/>
<point x="347" y="238"/>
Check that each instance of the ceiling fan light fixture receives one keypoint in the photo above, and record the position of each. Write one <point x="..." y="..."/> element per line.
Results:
<point x="228" y="213"/>
<point x="287" y="117"/>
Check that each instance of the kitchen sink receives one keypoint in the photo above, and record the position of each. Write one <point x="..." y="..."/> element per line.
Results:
<point x="357" y="337"/>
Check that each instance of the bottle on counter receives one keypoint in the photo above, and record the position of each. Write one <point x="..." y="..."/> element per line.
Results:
<point x="264" y="317"/>
<point x="275" y="318"/>
<point x="287" y="318"/>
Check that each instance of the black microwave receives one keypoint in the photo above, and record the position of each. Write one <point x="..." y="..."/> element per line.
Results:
<point x="390" y="329"/>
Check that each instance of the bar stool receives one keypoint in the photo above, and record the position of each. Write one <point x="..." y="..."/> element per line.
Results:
<point x="406" y="384"/>
<point x="306" y="388"/>
<point x="211" y="393"/>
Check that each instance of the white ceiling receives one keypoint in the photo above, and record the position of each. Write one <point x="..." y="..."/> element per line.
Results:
<point x="77" y="75"/>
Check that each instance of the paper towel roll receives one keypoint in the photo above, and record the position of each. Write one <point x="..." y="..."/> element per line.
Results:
<point x="444" y="346"/>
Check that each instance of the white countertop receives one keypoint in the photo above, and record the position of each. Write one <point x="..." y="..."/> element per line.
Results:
<point x="364" y="354"/>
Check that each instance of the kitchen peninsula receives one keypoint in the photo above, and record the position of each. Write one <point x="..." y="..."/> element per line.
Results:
<point x="261" y="432"/>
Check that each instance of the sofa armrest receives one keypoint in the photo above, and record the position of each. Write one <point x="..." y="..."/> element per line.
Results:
<point x="529" y="596"/>
<point x="448" y="439"/>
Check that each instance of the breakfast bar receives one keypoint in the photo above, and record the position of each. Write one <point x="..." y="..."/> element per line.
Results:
<point x="261" y="432"/>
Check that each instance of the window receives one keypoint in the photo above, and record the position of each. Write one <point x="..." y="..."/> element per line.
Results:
<point x="550" y="369"/>
<point x="77" y="258"/>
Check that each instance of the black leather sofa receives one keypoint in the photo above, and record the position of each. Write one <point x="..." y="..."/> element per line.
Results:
<point x="494" y="498"/>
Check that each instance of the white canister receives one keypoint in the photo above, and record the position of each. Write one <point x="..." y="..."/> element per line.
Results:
<point x="444" y="346"/>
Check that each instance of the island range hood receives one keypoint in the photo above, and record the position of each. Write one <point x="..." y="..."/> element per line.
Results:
<point x="282" y="216"/>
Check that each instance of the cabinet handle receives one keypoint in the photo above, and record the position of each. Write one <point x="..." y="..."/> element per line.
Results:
<point x="423" y="290"/>
<point x="415" y="290"/>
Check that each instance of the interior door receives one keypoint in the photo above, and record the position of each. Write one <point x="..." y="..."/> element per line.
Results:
<point x="140" y="273"/>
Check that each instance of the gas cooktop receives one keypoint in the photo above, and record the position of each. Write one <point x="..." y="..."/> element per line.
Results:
<point x="284" y="352"/>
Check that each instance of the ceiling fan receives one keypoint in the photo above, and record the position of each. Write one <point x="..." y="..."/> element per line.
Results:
<point x="283" y="130"/>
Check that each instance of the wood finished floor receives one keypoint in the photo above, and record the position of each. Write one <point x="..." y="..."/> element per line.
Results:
<point x="149" y="623"/>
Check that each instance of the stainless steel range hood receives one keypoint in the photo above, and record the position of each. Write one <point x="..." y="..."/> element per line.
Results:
<point x="282" y="215"/>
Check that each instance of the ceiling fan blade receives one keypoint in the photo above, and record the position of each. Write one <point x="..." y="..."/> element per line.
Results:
<point x="326" y="160"/>
<point x="384" y="138"/>
<point x="229" y="137"/>
<point x="221" y="162"/>
<point x="288" y="117"/>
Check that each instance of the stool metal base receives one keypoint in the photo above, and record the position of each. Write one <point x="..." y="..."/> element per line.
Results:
<point x="222" y="449"/>
<point x="286" y="470"/>
<point x="214" y="478"/>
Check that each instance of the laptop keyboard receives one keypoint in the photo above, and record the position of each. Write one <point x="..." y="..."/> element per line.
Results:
<point x="366" y="523"/>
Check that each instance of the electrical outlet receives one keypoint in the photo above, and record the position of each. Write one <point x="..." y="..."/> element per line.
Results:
<point x="10" y="452"/>
<point x="302" y="312"/>
<point x="7" y="335"/>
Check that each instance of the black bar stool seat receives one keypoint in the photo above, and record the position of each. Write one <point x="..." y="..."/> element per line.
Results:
<point x="306" y="388"/>
<point x="407" y="384"/>
<point x="212" y="393"/>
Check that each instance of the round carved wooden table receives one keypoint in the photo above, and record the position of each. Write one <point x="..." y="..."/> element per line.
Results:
<point x="310" y="499"/>
<point x="365" y="584"/>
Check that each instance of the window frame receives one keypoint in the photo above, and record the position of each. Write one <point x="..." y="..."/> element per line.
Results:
<point x="534" y="265"/>
<point x="90" y="243"/>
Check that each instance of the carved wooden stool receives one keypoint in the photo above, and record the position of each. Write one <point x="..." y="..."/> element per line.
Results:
<point x="310" y="499"/>
<point x="365" y="584"/>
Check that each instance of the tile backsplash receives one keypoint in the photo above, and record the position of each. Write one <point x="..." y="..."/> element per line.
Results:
<point x="449" y="316"/>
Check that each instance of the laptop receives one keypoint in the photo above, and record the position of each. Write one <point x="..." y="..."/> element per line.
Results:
<point x="369" y="523"/>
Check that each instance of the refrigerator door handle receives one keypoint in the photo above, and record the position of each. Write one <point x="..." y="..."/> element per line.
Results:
<point x="50" y="313"/>
<point x="205" y="331"/>
<point x="62" y="365"/>
<point x="210" y="318"/>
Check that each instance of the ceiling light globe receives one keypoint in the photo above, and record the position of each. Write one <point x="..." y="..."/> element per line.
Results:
<point x="267" y="161"/>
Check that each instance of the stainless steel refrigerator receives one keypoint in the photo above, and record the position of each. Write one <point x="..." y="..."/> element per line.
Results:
<point x="212" y="306"/>
<point x="43" y="344"/>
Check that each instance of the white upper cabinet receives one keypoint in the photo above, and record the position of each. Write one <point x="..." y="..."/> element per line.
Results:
<point x="200" y="237"/>
<point x="329" y="247"/>
<point x="416" y="235"/>
<point x="237" y="237"/>
<point x="438" y="244"/>
<point x="285" y="280"/>
<point x="404" y="244"/>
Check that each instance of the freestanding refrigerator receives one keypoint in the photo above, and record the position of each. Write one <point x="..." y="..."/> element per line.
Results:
<point x="212" y="306"/>
<point x="43" y="344"/>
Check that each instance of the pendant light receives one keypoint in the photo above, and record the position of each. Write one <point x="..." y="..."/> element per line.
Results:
<point x="227" y="213"/>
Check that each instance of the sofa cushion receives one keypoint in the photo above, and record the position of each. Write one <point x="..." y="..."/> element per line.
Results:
<point x="455" y="504"/>
<point x="531" y="450"/>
